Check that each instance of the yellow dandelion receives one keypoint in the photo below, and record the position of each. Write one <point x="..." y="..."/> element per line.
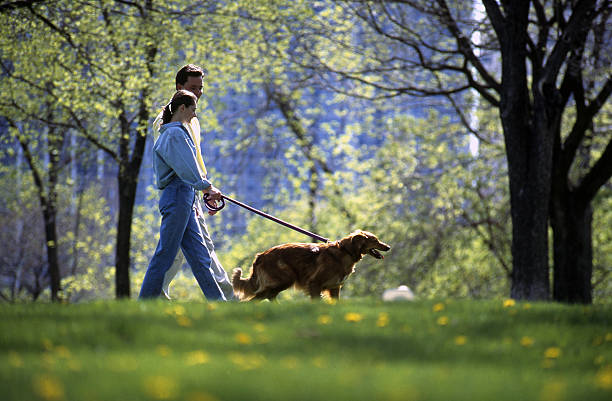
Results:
<point x="330" y="301"/>
<point x="62" y="352"/>
<point x="383" y="319"/>
<point x="603" y="378"/>
<point x="159" y="387"/>
<point x="15" y="359"/>
<point x="163" y="350"/>
<point x="319" y="362"/>
<point x="353" y="317"/>
<point x="49" y="388"/>
<point x="183" y="321"/>
<point x="527" y="341"/>
<point x="196" y="358"/>
<point x="259" y="327"/>
<point x="243" y="338"/>
<point x="324" y="319"/>
<point x="460" y="340"/>
<point x="211" y="306"/>
<point x="552" y="353"/>
<point x="438" y="307"/>
<point x="177" y="310"/>
<point x="442" y="320"/>
<point x="247" y="361"/>
<point x="509" y="303"/>
<point x="527" y="306"/>
<point x="608" y="337"/>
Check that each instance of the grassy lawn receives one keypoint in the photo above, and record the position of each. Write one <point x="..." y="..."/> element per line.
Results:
<point x="297" y="350"/>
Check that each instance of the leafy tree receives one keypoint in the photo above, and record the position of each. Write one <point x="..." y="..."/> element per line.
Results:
<point x="538" y="63"/>
<point x="112" y="57"/>
<point x="22" y="259"/>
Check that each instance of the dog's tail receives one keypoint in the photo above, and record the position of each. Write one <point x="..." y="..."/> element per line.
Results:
<point x="244" y="289"/>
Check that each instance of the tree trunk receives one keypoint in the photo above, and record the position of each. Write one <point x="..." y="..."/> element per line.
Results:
<point x="49" y="214"/>
<point x="529" y="243"/>
<point x="127" y="196"/>
<point x="573" y="252"/>
<point x="529" y="156"/>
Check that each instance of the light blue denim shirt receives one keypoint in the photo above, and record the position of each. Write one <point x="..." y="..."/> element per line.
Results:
<point x="174" y="154"/>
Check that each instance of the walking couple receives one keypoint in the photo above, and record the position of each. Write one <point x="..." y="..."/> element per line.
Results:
<point x="180" y="173"/>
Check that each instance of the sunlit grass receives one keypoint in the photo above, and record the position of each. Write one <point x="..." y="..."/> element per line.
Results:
<point x="351" y="350"/>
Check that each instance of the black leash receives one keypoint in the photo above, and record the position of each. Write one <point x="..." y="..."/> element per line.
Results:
<point x="215" y="208"/>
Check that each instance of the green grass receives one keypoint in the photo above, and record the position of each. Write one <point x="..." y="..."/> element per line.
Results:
<point x="353" y="350"/>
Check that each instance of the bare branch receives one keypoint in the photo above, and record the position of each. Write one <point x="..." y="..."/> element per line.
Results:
<point x="497" y="19"/>
<point x="465" y="46"/>
<point x="597" y="176"/>
<point x="583" y="13"/>
<point x="13" y="5"/>
<point x="582" y="123"/>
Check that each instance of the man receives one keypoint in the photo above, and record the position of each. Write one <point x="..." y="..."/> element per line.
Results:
<point x="190" y="78"/>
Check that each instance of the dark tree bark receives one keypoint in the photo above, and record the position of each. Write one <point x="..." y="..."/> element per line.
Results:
<point x="573" y="250"/>
<point x="529" y="160"/>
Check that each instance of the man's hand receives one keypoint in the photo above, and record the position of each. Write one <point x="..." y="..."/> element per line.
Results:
<point x="214" y="195"/>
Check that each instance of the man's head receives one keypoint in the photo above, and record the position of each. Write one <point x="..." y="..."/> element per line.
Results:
<point x="190" y="78"/>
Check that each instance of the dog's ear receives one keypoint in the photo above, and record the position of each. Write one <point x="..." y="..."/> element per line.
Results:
<point x="358" y="240"/>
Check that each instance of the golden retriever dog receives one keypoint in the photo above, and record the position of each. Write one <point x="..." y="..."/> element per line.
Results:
<point x="313" y="268"/>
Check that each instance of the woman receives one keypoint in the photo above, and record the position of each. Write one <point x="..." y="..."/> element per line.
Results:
<point x="178" y="175"/>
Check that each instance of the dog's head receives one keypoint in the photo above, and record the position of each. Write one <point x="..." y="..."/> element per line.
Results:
<point x="367" y="243"/>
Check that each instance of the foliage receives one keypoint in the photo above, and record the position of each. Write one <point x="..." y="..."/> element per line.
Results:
<point x="299" y="141"/>
<point x="353" y="350"/>
<point x="602" y="245"/>
<point x="85" y="252"/>
<point x="90" y="249"/>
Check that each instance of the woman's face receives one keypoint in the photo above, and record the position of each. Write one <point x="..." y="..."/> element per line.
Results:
<point x="191" y="112"/>
<point x="187" y="113"/>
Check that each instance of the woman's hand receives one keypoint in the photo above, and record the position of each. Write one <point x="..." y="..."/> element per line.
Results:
<point x="213" y="193"/>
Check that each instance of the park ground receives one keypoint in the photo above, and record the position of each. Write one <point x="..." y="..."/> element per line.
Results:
<point x="356" y="349"/>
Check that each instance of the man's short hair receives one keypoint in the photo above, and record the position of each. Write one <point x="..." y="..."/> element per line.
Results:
<point x="190" y="70"/>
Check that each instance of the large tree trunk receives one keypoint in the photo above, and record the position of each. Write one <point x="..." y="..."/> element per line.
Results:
<point x="573" y="251"/>
<point x="529" y="164"/>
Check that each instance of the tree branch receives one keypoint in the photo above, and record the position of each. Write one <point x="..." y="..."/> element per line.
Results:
<point x="465" y="46"/>
<point x="497" y="19"/>
<point x="583" y="122"/>
<point x="583" y="10"/>
<point x="596" y="177"/>
<point x="13" y="5"/>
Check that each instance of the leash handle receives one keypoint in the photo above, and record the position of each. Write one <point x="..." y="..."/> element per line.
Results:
<point x="213" y="207"/>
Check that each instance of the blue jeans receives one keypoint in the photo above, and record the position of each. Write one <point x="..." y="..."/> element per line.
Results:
<point x="180" y="228"/>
